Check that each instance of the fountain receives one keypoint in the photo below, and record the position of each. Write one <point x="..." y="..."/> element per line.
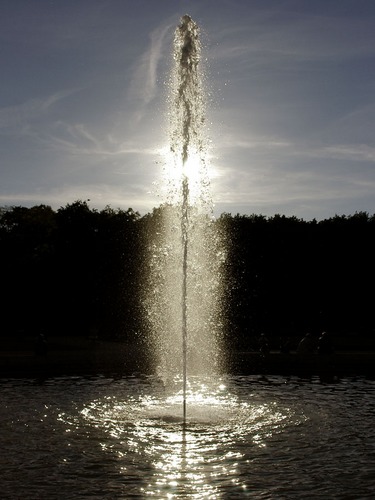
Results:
<point x="183" y="298"/>
<point x="248" y="436"/>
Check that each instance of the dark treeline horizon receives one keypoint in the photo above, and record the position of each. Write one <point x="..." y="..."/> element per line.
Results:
<point x="79" y="271"/>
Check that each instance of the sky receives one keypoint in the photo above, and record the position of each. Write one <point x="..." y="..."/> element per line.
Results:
<point x="290" y="103"/>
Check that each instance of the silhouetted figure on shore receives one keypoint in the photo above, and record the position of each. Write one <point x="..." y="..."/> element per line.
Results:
<point x="264" y="347"/>
<point x="306" y="345"/>
<point x="325" y="344"/>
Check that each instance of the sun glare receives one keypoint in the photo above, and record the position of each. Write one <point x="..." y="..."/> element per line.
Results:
<point x="194" y="169"/>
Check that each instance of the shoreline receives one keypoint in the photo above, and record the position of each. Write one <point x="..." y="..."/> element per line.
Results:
<point x="121" y="360"/>
<point x="339" y="364"/>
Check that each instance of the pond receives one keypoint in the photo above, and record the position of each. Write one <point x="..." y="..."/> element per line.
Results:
<point x="245" y="437"/>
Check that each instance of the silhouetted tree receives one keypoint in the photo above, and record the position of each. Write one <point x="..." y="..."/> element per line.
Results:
<point x="78" y="270"/>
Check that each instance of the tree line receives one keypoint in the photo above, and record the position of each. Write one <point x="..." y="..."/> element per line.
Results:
<point x="78" y="271"/>
<point x="287" y="276"/>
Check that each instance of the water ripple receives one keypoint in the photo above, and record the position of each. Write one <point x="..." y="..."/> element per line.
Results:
<point x="105" y="438"/>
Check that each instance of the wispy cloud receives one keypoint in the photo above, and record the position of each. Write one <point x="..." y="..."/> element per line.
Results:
<point x="354" y="153"/>
<point x="19" y="116"/>
<point x="274" y="37"/>
<point x="144" y="81"/>
<point x="264" y="143"/>
<point x="36" y="120"/>
<point x="79" y="140"/>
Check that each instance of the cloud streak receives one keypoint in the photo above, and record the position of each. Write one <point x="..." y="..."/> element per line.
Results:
<point x="143" y="86"/>
<point x="279" y="37"/>
<point x="18" y="117"/>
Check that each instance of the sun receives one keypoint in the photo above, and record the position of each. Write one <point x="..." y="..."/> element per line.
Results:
<point x="194" y="169"/>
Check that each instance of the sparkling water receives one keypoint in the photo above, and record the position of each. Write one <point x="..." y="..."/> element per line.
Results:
<point x="245" y="437"/>
<point x="182" y="299"/>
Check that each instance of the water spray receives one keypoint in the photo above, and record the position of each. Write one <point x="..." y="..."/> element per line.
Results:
<point x="186" y="54"/>
<point x="183" y="292"/>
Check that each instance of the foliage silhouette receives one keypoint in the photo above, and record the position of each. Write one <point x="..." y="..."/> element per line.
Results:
<point x="79" y="271"/>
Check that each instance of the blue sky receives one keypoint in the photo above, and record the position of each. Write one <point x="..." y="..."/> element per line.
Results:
<point x="291" y="102"/>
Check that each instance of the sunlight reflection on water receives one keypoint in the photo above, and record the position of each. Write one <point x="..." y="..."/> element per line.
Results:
<point x="191" y="459"/>
<point x="245" y="437"/>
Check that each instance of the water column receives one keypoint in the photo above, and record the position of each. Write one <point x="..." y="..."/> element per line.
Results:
<point x="185" y="242"/>
<point x="186" y="56"/>
<point x="183" y="283"/>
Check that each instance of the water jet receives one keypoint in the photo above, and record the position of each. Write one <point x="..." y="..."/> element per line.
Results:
<point x="183" y="298"/>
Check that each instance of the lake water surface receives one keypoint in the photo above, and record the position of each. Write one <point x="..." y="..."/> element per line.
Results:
<point x="246" y="437"/>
